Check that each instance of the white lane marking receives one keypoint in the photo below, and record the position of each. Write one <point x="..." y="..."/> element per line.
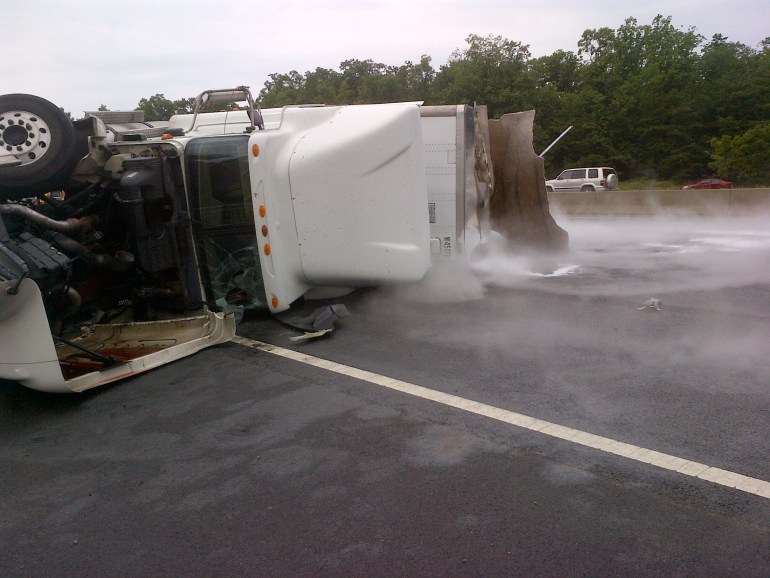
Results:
<point x="666" y="461"/>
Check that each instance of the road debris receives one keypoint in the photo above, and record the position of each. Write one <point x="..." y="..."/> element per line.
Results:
<point x="311" y="335"/>
<point x="652" y="303"/>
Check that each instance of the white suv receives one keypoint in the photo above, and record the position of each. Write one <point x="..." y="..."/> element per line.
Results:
<point x="587" y="179"/>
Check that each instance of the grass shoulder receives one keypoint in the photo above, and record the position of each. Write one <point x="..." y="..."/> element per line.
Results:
<point x="642" y="184"/>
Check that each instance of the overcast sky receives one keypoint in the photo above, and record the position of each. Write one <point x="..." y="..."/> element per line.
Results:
<point x="83" y="53"/>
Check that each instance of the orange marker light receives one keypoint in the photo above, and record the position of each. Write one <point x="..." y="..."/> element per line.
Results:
<point x="264" y="230"/>
<point x="255" y="150"/>
<point x="267" y="249"/>
<point x="274" y="302"/>
<point x="262" y="211"/>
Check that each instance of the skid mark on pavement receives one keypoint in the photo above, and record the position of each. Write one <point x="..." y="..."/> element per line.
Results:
<point x="686" y="467"/>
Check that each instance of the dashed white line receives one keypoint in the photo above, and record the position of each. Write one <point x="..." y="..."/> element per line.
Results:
<point x="683" y="466"/>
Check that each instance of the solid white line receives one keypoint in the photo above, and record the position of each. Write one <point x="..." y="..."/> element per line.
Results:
<point x="686" y="467"/>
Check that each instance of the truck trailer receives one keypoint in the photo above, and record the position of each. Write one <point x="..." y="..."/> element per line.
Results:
<point x="126" y="244"/>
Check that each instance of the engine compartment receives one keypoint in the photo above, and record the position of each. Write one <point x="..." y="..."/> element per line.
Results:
<point x="112" y="250"/>
<point x="111" y="263"/>
<point x="112" y="255"/>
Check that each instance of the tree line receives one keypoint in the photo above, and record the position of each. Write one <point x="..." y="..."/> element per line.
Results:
<point x="651" y="100"/>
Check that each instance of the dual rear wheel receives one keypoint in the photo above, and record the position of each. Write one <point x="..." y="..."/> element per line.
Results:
<point x="37" y="146"/>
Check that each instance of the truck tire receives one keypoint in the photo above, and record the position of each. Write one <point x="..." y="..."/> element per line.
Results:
<point x="587" y="188"/>
<point x="612" y="182"/>
<point x="40" y="135"/>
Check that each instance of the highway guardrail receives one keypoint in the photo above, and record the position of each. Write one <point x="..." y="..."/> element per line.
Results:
<point x="648" y="202"/>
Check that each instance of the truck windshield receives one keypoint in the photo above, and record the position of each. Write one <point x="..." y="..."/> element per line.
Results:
<point x="220" y="197"/>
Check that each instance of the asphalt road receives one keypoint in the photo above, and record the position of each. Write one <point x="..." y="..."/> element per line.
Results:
<point x="241" y="462"/>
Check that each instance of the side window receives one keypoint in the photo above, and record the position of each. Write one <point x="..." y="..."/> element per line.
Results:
<point x="578" y="174"/>
<point x="593" y="173"/>
<point x="563" y="175"/>
<point x="219" y="177"/>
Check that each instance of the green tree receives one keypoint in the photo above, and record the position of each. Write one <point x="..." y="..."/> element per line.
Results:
<point x="646" y="98"/>
<point x="735" y="84"/>
<point x="744" y="158"/>
<point x="184" y="105"/>
<point x="357" y="82"/>
<point x="358" y="78"/>
<point x="557" y="79"/>
<point x="414" y="79"/>
<point x="282" y="89"/>
<point x="492" y="71"/>
<point x="158" y="107"/>
<point x="559" y="71"/>
<point x="645" y="78"/>
<point x="324" y="86"/>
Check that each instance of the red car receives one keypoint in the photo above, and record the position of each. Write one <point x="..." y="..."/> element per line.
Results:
<point x="710" y="184"/>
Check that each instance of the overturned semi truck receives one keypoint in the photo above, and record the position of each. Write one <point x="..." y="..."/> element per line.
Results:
<point x="125" y="245"/>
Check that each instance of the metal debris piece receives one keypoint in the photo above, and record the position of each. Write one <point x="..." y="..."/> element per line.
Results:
<point x="310" y="335"/>
<point x="652" y="303"/>
<point x="321" y="318"/>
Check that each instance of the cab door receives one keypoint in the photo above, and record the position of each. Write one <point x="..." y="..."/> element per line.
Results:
<point x="223" y="222"/>
<point x="576" y="178"/>
<point x="561" y="183"/>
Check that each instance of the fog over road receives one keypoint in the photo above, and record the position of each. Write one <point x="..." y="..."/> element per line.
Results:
<point x="238" y="461"/>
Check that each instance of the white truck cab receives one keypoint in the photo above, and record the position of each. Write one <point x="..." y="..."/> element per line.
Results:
<point x="158" y="235"/>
